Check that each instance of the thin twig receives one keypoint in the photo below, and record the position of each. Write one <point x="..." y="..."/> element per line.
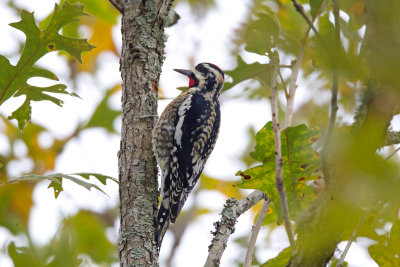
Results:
<point x="335" y="78"/>
<point x="254" y="233"/>
<point x="274" y="62"/>
<point x="352" y="238"/>
<point x="335" y="4"/>
<point x="300" y="9"/>
<point x="118" y="5"/>
<point x="393" y="153"/>
<point x="296" y="64"/>
<point x="226" y="226"/>
<point x="334" y="105"/>
<point x="284" y="85"/>
<point x="293" y="81"/>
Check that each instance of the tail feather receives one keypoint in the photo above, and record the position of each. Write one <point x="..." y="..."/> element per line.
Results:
<point x="163" y="220"/>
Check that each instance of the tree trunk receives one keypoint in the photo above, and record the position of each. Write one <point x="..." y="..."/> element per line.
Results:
<point x="141" y="60"/>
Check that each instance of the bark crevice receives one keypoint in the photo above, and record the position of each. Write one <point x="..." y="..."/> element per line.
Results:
<point x="143" y="43"/>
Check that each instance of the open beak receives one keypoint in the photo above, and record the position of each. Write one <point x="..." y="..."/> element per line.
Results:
<point x="184" y="72"/>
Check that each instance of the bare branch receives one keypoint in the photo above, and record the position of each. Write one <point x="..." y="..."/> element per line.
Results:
<point x="118" y="5"/>
<point x="392" y="138"/>
<point x="226" y="226"/>
<point x="293" y="81"/>
<point x="254" y="233"/>
<point x="296" y="64"/>
<point x="274" y="62"/>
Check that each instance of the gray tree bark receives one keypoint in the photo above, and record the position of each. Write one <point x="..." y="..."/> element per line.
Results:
<point x="141" y="60"/>
<point x="226" y="226"/>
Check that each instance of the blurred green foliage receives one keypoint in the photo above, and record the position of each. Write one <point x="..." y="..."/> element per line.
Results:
<point x="279" y="260"/>
<point x="81" y="234"/>
<point x="356" y="49"/>
<point x="81" y="238"/>
<point x="386" y="253"/>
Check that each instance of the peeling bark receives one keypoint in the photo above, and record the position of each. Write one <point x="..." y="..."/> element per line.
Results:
<point x="141" y="60"/>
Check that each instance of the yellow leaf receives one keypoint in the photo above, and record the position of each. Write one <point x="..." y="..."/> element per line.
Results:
<point x="101" y="38"/>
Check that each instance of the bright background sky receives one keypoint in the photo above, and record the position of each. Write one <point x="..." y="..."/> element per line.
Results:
<point x="207" y="40"/>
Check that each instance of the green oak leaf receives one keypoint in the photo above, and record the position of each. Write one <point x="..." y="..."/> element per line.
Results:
<point x="388" y="254"/>
<point x="14" y="79"/>
<point x="56" y="180"/>
<point x="261" y="34"/>
<point x="244" y="71"/>
<point x="280" y="260"/>
<point x="300" y="164"/>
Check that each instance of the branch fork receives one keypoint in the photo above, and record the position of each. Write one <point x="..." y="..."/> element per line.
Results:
<point x="226" y="226"/>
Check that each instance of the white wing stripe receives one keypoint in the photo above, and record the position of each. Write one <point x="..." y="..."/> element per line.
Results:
<point x="181" y="114"/>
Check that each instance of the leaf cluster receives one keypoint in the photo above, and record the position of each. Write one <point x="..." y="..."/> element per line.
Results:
<point x="301" y="162"/>
<point x="81" y="238"/>
<point x="352" y="52"/>
<point x="14" y="79"/>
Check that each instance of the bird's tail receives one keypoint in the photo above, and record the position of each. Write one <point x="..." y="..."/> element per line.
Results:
<point x="162" y="221"/>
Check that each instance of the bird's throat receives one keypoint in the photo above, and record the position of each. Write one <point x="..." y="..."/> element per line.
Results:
<point x="193" y="82"/>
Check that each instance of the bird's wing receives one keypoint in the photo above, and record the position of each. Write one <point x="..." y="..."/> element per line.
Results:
<point x="195" y="134"/>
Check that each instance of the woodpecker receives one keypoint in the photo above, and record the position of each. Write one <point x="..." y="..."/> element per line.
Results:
<point x="184" y="137"/>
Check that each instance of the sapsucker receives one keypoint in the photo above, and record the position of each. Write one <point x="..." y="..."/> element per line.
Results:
<point x="184" y="137"/>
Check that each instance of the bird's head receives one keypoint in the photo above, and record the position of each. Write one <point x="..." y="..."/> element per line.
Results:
<point x="205" y="76"/>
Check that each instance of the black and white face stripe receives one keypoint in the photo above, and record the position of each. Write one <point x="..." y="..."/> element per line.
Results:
<point x="209" y="76"/>
<point x="216" y="68"/>
<point x="206" y="68"/>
